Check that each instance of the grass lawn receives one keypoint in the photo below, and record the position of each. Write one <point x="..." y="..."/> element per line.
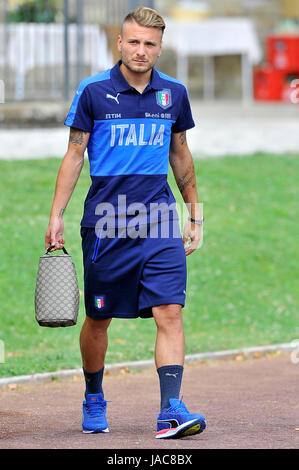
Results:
<point x="242" y="284"/>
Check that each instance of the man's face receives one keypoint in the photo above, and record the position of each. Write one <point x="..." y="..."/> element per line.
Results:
<point x="139" y="47"/>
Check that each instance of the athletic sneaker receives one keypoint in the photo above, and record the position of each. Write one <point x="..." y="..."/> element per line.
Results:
<point x="94" y="414"/>
<point x="176" y="421"/>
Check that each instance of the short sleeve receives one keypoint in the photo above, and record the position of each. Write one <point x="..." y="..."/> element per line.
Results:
<point x="80" y="114"/>
<point x="184" y="120"/>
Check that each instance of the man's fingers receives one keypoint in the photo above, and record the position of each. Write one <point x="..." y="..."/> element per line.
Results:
<point x="48" y="241"/>
<point x="191" y="246"/>
<point x="58" y="244"/>
<point x="54" y="235"/>
<point x="189" y="250"/>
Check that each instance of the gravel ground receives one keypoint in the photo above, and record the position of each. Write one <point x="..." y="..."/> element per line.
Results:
<point x="249" y="404"/>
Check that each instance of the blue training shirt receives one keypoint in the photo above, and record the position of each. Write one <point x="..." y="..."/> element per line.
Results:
<point x="130" y="135"/>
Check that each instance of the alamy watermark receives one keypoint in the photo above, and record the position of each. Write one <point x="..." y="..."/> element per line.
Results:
<point x="2" y="352"/>
<point x="2" y="91"/>
<point x="156" y="220"/>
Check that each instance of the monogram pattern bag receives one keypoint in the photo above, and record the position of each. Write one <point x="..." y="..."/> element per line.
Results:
<point x="56" y="292"/>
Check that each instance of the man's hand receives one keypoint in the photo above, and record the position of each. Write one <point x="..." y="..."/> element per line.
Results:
<point x="192" y="237"/>
<point x="54" y="234"/>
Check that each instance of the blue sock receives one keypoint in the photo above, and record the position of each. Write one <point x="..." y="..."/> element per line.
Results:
<point x="93" y="381"/>
<point x="170" y="383"/>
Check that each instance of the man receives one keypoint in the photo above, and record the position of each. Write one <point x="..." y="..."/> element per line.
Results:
<point x="133" y="120"/>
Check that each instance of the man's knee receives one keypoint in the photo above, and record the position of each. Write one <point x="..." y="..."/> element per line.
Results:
<point x="98" y="327"/>
<point x="168" y="316"/>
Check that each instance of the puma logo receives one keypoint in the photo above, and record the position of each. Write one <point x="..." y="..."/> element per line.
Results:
<point x="171" y="375"/>
<point x="113" y="97"/>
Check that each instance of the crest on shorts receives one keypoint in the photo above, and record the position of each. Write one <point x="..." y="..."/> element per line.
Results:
<point x="164" y="98"/>
<point x="99" y="302"/>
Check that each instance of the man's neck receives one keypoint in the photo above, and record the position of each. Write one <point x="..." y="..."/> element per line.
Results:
<point x="139" y="81"/>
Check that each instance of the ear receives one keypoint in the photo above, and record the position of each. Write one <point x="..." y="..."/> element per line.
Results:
<point x="160" y="53"/>
<point x="119" y="42"/>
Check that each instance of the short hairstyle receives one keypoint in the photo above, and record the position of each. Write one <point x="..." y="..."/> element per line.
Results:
<point x="147" y="17"/>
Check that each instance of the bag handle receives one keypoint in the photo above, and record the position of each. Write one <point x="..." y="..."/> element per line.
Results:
<point x="51" y="248"/>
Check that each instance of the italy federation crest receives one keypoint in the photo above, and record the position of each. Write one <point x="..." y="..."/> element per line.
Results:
<point x="164" y="98"/>
<point x="99" y="302"/>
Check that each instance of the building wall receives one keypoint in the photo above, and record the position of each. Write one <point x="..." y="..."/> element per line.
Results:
<point x="264" y="13"/>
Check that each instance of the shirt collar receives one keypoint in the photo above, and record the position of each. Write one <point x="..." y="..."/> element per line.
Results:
<point x="120" y="83"/>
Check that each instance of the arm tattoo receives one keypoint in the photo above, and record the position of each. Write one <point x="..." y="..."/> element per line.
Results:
<point x="185" y="184"/>
<point x="76" y="136"/>
<point x="61" y="212"/>
<point x="183" y="138"/>
<point x="189" y="177"/>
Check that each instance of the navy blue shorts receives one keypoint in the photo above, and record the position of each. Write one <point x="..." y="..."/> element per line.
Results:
<point x="126" y="277"/>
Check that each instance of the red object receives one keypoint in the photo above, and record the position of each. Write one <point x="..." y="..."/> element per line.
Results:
<point x="282" y="52"/>
<point x="268" y="83"/>
<point x="290" y="91"/>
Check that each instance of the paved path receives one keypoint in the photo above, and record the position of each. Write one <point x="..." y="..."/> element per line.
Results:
<point x="221" y="129"/>
<point x="250" y="404"/>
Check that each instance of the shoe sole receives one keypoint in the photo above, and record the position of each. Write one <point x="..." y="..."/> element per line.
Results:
<point x="187" y="429"/>
<point x="96" y="431"/>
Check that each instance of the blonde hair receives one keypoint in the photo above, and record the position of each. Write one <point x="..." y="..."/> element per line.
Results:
<point x="147" y="17"/>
